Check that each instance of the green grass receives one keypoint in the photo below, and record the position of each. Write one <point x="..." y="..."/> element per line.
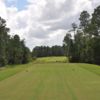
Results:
<point x="50" y="81"/>
<point x="51" y="60"/>
<point x="92" y="68"/>
<point x="11" y="70"/>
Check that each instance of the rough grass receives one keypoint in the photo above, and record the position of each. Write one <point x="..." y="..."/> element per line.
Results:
<point x="51" y="81"/>
<point x="92" y="68"/>
<point x="51" y="60"/>
<point x="6" y="72"/>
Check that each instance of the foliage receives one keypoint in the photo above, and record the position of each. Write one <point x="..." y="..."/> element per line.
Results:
<point x="85" y="45"/>
<point x="45" y="51"/>
<point x="12" y="49"/>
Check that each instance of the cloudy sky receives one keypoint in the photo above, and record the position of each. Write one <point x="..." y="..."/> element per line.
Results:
<point x="43" y="22"/>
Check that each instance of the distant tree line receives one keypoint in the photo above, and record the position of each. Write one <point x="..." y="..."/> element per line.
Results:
<point x="84" y="45"/>
<point x="44" y="51"/>
<point x="12" y="49"/>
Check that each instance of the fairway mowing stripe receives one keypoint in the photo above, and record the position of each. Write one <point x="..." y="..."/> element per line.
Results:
<point x="71" y="91"/>
<point x="52" y="82"/>
<point x="54" y="88"/>
<point x="69" y="88"/>
<point x="40" y="86"/>
<point x="86" y="90"/>
<point x="64" y="84"/>
<point x="24" y="86"/>
<point x="44" y="83"/>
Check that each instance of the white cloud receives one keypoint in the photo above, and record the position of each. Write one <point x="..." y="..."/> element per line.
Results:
<point x="44" y="22"/>
<point x="3" y="12"/>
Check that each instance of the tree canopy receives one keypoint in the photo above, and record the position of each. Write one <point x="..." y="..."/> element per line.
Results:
<point x="44" y="51"/>
<point x="12" y="49"/>
<point x="85" y="46"/>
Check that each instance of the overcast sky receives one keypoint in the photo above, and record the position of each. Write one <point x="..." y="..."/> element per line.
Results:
<point x="43" y="22"/>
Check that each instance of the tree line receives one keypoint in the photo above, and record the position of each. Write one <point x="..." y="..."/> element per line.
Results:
<point x="81" y="44"/>
<point x="12" y="48"/>
<point x="84" y="44"/>
<point x="44" y="51"/>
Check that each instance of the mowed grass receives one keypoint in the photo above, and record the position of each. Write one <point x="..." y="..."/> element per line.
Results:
<point x="51" y="81"/>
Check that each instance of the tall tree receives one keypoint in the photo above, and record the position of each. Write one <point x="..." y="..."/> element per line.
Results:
<point x="84" y="20"/>
<point x="74" y="26"/>
<point x="68" y="43"/>
<point x="4" y="37"/>
<point x="86" y="43"/>
<point x="96" y="21"/>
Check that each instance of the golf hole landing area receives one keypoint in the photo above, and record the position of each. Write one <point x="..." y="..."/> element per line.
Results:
<point x="51" y="81"/>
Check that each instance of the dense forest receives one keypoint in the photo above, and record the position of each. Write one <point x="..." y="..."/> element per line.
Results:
<point x="84" y="46"/>
<point x="12" y="48"/>
<point x="14" y="51"/>
<point x="45" y="51"/>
